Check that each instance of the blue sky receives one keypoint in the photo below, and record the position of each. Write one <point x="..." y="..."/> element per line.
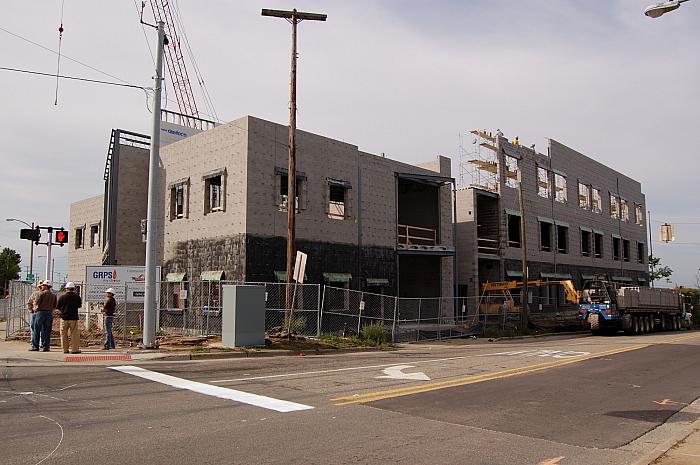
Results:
<point x="400" y="77"/>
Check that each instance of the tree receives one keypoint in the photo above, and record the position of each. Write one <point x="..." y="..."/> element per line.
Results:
<point x="9" y="267"/>
<point x="656" y="271"/>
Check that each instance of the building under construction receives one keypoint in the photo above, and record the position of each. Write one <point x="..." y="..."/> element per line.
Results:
<point x="581" y="218"/>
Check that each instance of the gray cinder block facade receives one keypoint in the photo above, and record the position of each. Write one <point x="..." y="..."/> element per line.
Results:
<point x="582" y="218"/>
<point x="366" y="222"/>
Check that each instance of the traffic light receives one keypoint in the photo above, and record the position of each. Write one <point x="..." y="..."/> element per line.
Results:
<point x="30" y="234"/>
<point x="61" y="237"/>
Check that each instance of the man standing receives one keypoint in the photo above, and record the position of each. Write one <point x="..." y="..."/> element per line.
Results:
<point x="108" y="311"/>
<point x="31" y="308"/>
<point x="45" y="305"/>
<point x="68" y="304"/>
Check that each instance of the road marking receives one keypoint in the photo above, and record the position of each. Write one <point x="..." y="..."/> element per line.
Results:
<point x="396" y="372"/>
<point x="553" y="461"/>
<point x="540" y="353"/>
<point x="416" y="389"/>
<point x="216" y="391"/>
<point x="669" y="402"/>
<point x="335" y="370"/>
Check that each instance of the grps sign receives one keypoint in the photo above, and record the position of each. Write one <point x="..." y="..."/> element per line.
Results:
<point x="127" y="282"/>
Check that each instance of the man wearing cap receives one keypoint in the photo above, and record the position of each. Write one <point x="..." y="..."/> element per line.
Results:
<point x="45" y="304"/>
<point x="68" y="304"/>
<point x="31" y="308"/>
<point x="108" y="311"/>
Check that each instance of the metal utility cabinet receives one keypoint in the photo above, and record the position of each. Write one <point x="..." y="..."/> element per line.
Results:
<point x="243" y="316"/>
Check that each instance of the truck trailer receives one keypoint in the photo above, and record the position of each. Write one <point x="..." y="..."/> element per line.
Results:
<point x="633" y="309"/>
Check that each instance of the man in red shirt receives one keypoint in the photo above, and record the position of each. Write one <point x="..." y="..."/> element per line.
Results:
<point x="108" y="311"/>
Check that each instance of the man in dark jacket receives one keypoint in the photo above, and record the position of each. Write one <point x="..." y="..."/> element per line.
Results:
<point x="108" y="311"/>
<point x="45" y="304"/>
<point x="68" y="305"/>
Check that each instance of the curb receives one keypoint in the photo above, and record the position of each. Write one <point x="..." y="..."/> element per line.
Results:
<point x="661" y="449"/>
<point x="255" y="354"/>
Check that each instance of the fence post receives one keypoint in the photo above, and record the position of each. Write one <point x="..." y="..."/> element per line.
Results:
<point x="418" y="321"/>
<point x="393" y="325"/>
<point x="323" y="303"/>
<point x="318" y="310"/>
<point x="359" y="311"/>
<point x="126" y="313"/>
<point x="440" y="320"/>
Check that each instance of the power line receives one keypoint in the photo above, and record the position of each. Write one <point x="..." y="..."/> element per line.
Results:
<point x="64" y="56"/>
<point x="75" y="78"/>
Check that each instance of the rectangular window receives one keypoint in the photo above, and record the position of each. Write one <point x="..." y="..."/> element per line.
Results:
<point x="80" y="237"/>
<point x="562" y="239"/>
<point x="214" y="192"/>
<point x="625" y="210"/>
<point x="545" y="237"/>
<point x="511" y="172"/>
<point x="284" y="192"/>
<point x="640" y="252"/>
<point x="614" y="208"/>
<point x="639" y="214"/>
<point x="94" y="235"/>
<point x="514" y="231"/>
<point x="544" y="190"/>
<point x="598" y="245"/>
<point x="585" y="243"/>
<point x="626" y="250"/>
<point x="337" y="200"/>
<point x="177" y="202"/>
<point x="597" y="203"/>
<point x="560" y="194"/>
<point x="616" y="248"/>
<point x="584" y="196"/>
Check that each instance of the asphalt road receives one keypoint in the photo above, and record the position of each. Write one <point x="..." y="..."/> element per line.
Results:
<point x="557" y="400"/>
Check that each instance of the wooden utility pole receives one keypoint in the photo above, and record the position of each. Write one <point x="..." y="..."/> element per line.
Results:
<point x="524" y="304"/>
<point x="294" y="17"/>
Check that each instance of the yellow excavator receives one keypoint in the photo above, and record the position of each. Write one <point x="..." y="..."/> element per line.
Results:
<point x="495" y="296"/>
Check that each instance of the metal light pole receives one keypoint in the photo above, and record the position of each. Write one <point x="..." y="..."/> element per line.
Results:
<point x="294" y="17"/>
<point x="149" y="309"/>
<point x="31" y="244"/>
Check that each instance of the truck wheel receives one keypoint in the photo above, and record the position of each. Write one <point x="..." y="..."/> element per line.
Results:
<point x="645" y="319"/>
<point x="664" y="323"/>
<point x="676" y="323"/>
<point x="652" y="324"/>
<point x="627" y="324"/>
<point x="635" y="325"/>
<point x="594" y="320"/>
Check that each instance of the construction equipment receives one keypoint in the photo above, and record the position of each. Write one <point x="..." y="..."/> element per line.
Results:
<point x="633" y="309"/>
<point x="496" y="296"/>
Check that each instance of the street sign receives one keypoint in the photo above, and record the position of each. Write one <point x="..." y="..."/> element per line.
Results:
<point x="300" y="267"/>
<point x="29" y="278"/>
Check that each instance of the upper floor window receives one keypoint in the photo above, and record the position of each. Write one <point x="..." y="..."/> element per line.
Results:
<point x="614" y="207"/>
<point x="625" y="210"/>
<point x="597" y="201"/>
<point x="94" y="235"/>
<point x="79" y="237"/>
<point x="639" y="214"/>
<point x="584" y="196"/>
<point x="338" y="196"/>
<point x="511" y="171"/>
<point x="215" y="191"/>
<point x="179" y="199"/>
<point x="282" y="187"/>
<point x="544" y="190"/>
<point x="560" y="194"/>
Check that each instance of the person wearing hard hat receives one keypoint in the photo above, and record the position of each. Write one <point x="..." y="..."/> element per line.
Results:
<point x="45" y="305"/>
<point x="68" y="304"/>
<point x="108" y="312"/>
<point x="31" y="308"/>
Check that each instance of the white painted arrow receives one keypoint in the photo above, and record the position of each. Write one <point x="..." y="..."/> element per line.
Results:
<point x="396" y="372"/>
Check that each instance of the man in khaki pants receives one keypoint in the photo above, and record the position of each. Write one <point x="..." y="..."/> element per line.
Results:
<point x="68" y="304"/>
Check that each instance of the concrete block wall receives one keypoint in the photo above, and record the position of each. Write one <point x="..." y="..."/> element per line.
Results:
<point x="84" y="213"/>
<point x="132" y="201"/>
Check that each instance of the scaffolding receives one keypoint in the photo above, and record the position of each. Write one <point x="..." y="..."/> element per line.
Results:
<point x="478" y="161"/>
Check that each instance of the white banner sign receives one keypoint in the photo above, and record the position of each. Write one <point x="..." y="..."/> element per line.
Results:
<point x="128" y="283"/>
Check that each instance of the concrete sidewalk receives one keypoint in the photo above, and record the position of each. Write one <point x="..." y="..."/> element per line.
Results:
<point x="685" y="452"/>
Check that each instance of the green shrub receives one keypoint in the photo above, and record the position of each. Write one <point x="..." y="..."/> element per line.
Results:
<point x="298" y="325"/>
<point x="373" y="334"/>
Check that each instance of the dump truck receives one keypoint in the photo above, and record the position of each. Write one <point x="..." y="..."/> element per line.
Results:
<point x="606" y="306"/>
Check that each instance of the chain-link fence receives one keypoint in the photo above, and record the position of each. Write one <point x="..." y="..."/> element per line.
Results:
<point x="194" y="308"/>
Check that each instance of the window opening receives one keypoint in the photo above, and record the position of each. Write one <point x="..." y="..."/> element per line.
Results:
<point x="336" y="204"/>
<point x="597" y="203"/>
<point x="511" y="172"/>
<point x="560" y="188"/>
<point x="545" y="237"/>
<point x="598" y="245"/>
<point x="177" y="199"/>
<point x="616" y="248"/>
<point x="626" y="250"/>
<point x="543" y="187"/>
<point x="614" y="207"/>
<point x="625" y="210"/>
<point x="94" y="235"/>
<point x="640" y="252"/>
<point x="585" y="243"/>
<point x="584" y="196"/>
<point x="562" y="239"/>
<point x="514" y="231"/>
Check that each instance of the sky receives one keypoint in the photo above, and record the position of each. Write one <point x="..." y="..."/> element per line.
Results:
<point x="400" y="77"/>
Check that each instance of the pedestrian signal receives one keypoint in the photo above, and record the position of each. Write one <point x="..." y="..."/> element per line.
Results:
<point x="61" y="237"/>
<point x="30" y="234"/>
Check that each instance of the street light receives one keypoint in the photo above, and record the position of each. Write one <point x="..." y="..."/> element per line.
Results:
<point x="31" y="244"/>
<point x="658" y="9"/>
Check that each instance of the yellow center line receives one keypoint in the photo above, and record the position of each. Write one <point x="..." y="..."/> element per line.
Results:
<point x="416" y="389"/>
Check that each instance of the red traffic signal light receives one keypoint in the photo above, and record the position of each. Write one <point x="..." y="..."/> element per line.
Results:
<point x="61" y="237"/>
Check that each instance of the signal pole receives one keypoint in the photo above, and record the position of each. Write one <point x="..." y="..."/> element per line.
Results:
<point x="149" y="301"/>
<point x="294" y="17"/>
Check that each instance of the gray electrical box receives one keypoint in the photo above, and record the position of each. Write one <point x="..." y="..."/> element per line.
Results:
<point x="243" y="316"/>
